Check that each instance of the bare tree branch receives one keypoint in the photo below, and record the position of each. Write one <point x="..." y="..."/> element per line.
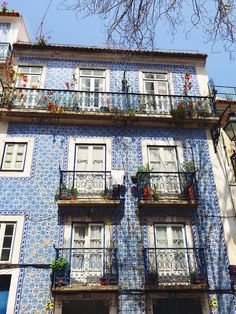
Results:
<point x="135" y="23"/>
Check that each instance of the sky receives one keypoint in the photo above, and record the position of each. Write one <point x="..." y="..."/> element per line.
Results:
<point x="65" y="27"/>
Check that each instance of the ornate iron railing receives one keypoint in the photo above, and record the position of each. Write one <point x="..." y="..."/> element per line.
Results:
<point x="83" y="184"/>
<point x="87" y="266"/>
<point x="55" y="100"/>
<point x="175" y="266"/>
<point x="171" y="185"/>
<point x="5" y="51"/>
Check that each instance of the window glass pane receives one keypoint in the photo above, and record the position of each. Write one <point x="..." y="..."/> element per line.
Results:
<point x="7" y="242"/>
<point x="98" y="72"/>
<point x="85" y="72"/>
<point x="177" y="236"/>
<point x="9" y="229"/>
<point x="98" y="85"/>
<point x="36" y="70"/>
<point x="79" y="236"/>
<point x="5" y="256"/>
<point x="149" y="75"/>
<point x="162" y="88"/>
<point x="161" y="236"/>
<point x="161" y="76"/>
<point x="86" y="84"/>
<point x="149" y="87"/>
<point x="24" y="69"/>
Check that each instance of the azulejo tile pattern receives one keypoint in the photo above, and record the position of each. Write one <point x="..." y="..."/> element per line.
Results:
<point x="34" y="195"/>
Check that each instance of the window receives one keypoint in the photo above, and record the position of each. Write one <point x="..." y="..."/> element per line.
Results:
<point x="92" y="83"/>
<point x="156" y="84"/>
<point x="87" y="251"/>
<point x="171" y="254"/>
<point x="90" y="158"/>
<point x="7" y="231"/>
<point x="92" y="80"/>
<point x="90" y="176"/>
<point x="30" y="76"/>
<point x="163" y="158"/>
<point x="165" y="178"/>
<point x="14" y="156"/>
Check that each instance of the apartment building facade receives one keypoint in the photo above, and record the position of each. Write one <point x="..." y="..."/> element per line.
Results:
<point x="108" y="198"/>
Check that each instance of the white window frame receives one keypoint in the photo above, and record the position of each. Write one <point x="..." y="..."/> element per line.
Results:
<point x="172" y="220"/>
<point x="19" y="220"/>
<point x="30" y="65"/>
<point x="91" y="67"/>
<point x="29" y="141"/>
<point x="155" y="82"/>
<point x="14" y="156"/>
<point x="3" y="226"/>
<point x="90" y="155"/>
<point x="16" y="246"/>
<point x="89" y="141"/>
<point x="169" y="230"/>
<point x="29" y="74"/>
<point x="168" y="142"/>
<point x="88" y="228"/>
<point x="141" y="79"/>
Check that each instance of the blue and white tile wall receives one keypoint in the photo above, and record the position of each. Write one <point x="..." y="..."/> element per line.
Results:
<point x="34" y="196"/>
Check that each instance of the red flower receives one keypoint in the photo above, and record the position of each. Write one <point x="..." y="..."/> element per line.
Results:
<point x="67" y="85"/>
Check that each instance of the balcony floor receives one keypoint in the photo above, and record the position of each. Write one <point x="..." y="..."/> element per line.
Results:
<point x="91" y="288"/>
<point x="100" y="118"/>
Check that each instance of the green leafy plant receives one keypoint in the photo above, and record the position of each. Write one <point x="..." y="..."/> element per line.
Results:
<point x="59" y="264"/>
<point x="145" y="168"/>
<point x="156" y="194"/>
<point x="131" y="112"/>
<point x="188" y="166"/>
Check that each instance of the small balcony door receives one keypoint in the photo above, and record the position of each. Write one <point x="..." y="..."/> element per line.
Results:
<point x="156" y="84"/>
<point x="92" y="84"/>
<point x="171" y="253"/>
<point x="87" y="256"/>
<point x="90" y="166"/>
<point x="163" y="160"/>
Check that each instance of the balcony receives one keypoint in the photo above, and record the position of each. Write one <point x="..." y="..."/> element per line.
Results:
<point x="80" y="107"/>
<point x="86" y="188"/>
<point x="5" y="51"/>
<point x="167" y="189"/>
<point x="179" y="268"/>
<point x="86" y="269"/>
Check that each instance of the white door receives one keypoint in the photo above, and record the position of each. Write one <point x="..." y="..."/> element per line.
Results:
<point x="157" y="84"/>
<point x="92" y="83"/>
<point x="171" y="253"/>
<point x="90" y="178"/>
<point x="87" y="252"/>
<point x="163" y="160"/>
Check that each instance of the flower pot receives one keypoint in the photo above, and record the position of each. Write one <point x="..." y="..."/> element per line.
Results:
<point x="72" y="197"/>
<point x="103" y="281"/>
<point x="147" y="192"/>
<point x="190" y="193"/>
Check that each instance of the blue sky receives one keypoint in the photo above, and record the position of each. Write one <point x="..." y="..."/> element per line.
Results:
<point x="66" y="28"/>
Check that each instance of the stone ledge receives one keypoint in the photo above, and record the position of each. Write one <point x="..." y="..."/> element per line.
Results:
<point x="79" y="288"/>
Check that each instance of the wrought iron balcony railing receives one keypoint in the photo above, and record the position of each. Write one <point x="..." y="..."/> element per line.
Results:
<point x="167" y="185"/>
<point x="85" y="184"/>
<point x="175" y="266"/>
<point x="87" y="266"/>
<point x="5" y="51"/>
<point x="57" y="101"/>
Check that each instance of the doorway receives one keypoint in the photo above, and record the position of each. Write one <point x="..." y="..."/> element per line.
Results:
<point x="176" y="306"/>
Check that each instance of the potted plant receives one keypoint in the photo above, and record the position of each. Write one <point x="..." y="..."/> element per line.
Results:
<point x="156" y="194"/>
<point x="59" y="268"/>
<point x="147" y="192"/>
<point x="64" y="192"/>
<point x="188" y="166"/>
<point x="73" y="194"/>
<point x="197" y="279"/>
